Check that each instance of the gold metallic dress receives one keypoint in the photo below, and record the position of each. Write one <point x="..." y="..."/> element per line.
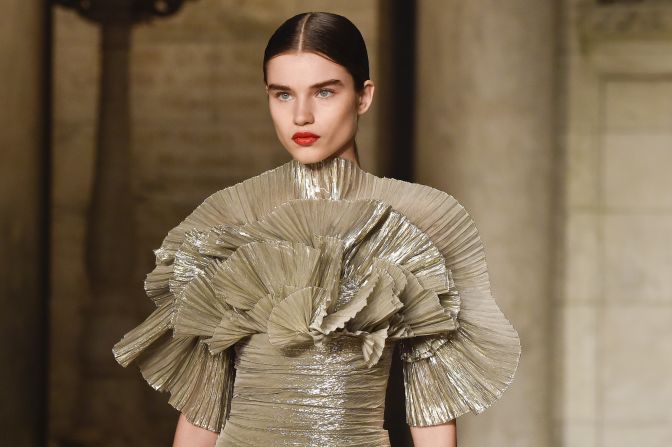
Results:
<point x="279" y="302"/>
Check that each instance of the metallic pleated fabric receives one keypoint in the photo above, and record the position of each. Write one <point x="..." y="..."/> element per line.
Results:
<point x="306" y="396"/>
<point x="280" y="299"/>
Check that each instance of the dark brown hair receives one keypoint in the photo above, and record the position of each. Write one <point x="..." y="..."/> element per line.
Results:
<point x="327" y="34"/>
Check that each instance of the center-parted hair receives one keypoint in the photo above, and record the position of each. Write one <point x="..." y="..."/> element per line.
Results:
<point x="330" y="35"/>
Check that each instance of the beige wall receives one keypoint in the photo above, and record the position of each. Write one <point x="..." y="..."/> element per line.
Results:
<point x="617" y="303"/>
<point x="23" y="230"/>
<point x="486" y="111"/>
<point x="75" y="89"/>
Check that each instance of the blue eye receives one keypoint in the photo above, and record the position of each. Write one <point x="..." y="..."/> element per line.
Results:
<point x="331" y="92"/>
<point x="279" y="95"/>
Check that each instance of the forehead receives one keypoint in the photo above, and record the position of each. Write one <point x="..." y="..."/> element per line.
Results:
<point x="304" y="69"/>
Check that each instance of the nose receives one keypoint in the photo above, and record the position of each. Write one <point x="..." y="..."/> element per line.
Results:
<point x="303" y="113"/>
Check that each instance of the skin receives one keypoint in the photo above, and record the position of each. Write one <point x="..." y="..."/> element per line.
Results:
<point x="331" y="111"/>
<point x="189" y="435"/>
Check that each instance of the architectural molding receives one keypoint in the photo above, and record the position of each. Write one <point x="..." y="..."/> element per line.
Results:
<point x="625" y="20"/>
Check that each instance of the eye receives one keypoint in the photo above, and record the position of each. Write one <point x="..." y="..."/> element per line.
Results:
<point x="281" y="96"/>
<point x="325" y="90"/>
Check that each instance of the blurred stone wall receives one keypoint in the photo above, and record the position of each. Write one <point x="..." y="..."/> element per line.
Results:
<point x="616" y="308"/>
<point x="199" y="123"/>
<point x="75" y="89"/>
<point x="486" y="112"/>
<point x="24" y="247"/>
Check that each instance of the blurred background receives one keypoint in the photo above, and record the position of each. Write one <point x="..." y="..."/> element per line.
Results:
<point x="549" y="120"/>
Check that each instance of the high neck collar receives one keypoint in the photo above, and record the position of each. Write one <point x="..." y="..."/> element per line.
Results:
<point x="331" y="178"/>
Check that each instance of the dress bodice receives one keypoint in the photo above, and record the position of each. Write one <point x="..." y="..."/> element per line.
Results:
<point x="310" y="396"/>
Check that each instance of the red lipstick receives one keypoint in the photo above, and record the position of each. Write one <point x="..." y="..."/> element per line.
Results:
<point x="305" y="138"/>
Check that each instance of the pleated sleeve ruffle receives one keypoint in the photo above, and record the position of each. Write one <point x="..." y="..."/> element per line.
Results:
<point x="449" y="373"/>
<point x="468" y="369"/>
<point x="200" y="383"/>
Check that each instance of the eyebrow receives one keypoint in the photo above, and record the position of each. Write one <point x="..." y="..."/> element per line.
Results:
<point x="318" y="85"/>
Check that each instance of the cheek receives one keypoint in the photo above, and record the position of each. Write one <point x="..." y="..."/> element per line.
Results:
<point x="345" y="121"/>
<point x="278" y="117"/>
<point x="341" y="116"/>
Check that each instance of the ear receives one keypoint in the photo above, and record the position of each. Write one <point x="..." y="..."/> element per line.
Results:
<point x="366" y="97"/>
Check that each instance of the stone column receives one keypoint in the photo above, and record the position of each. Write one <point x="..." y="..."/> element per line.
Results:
<point x="23" y="221"/>
<point x="485" y="134"/>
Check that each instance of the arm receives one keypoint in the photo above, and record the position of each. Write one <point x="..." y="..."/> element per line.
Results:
<point x="189" y="435"/>
<point x="442" y="435"/>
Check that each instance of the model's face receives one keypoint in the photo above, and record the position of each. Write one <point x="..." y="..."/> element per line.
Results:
<point x="310" y="94"/>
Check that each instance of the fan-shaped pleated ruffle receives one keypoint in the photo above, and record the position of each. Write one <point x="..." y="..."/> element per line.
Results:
<point x="307" y="252"/>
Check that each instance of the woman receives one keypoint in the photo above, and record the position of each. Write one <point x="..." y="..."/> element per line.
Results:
<point x="319" y="379"/>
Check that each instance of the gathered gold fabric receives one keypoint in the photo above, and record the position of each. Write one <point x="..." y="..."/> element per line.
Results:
<point x="280" y="299"/>
<point x="320" y="395"/>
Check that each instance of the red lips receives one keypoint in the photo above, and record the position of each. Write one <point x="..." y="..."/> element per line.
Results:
<point x="305" y="138"/>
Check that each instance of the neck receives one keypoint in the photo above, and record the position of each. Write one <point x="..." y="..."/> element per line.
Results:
<point x="348" y="153"/>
